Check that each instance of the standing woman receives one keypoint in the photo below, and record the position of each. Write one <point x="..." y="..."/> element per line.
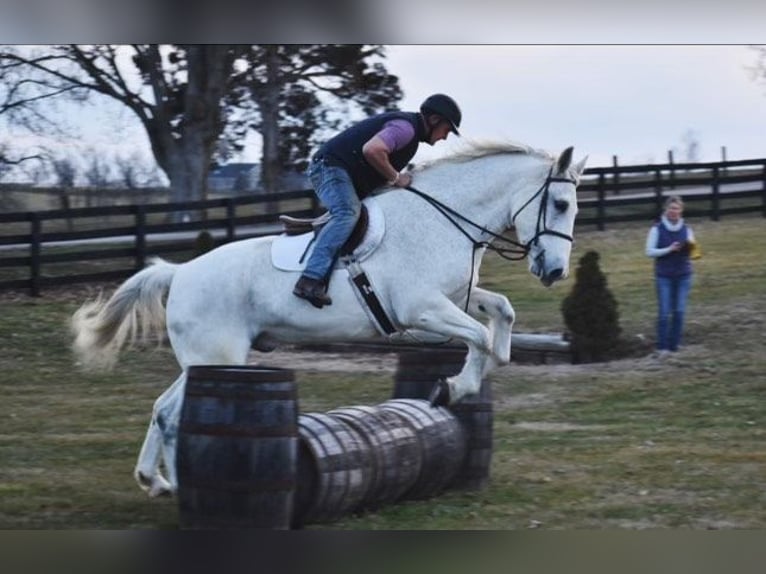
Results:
<point x="669" y="242"/>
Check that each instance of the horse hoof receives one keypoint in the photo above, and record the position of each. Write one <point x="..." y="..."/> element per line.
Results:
<point x="439" y="396"/>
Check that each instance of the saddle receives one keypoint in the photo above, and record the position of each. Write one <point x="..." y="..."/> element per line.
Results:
<point x="299" y="226"/>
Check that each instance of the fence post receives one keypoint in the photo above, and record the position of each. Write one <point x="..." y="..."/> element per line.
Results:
<point x="230" y="213"/>
<point x="723" y="159"/>
<point x="658" y="189"/>
<point x="616" y="175"/>
<point x="140" y="216"/>
<point x="672" y="175"/>
<point x="34" y="254"/>
<point x="714" y="197"/>
<point x="764" y="189"/>
<point x="601" y="207"/>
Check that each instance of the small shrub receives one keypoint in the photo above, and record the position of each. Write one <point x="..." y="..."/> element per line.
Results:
<point x="591" y="315"/>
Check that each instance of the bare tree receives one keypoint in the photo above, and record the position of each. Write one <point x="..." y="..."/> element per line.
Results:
<point x="198" y="101"/>
<point x="178" y="93"/>
<point x="127" y="169"/>
<point x="10" y="160"/>
<point x="758" y="69"/>
<point x="691" y="146"/>
<point x="97" y="171"/>
<point x="65" y="170"/>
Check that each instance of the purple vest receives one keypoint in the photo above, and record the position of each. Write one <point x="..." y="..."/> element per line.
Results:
<point x="675" y="263"/>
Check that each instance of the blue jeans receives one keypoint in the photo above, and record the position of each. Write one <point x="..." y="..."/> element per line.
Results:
<point x="335" y="190"/>
<point x="672" y="293"/>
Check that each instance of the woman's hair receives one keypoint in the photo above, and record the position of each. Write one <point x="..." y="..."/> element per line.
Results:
<point x="674" y="199"/>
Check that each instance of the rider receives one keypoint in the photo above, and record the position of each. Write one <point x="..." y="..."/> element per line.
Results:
<point x="355" y="162"/>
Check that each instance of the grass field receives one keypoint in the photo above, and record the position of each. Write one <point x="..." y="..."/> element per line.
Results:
<point x="635" y="443"/>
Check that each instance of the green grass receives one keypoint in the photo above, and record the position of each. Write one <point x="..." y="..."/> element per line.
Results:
<point x="636" y="443"/>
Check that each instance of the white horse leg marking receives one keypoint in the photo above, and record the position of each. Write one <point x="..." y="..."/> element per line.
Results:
<point x="445" y="318"/>
<point x="501" y="315"/>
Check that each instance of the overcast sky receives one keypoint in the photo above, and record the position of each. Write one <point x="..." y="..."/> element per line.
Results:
<point x="635" y="102"/>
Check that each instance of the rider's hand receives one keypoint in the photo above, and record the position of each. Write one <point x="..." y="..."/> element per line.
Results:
<point x="403" y="180"/>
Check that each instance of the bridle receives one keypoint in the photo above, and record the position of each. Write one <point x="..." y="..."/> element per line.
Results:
<point x="517" y="251"/>
<point x="542" y="213"/>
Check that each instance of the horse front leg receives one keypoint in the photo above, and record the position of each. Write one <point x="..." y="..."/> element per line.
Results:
<point x="443" y="317"/>
<point x="501" y="316"/>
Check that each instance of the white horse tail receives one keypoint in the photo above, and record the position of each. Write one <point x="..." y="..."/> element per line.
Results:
<point x="136" y="310"/>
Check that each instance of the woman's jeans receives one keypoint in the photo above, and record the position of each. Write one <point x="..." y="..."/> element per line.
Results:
<point x="672" y="293"/>
<point x="335" y="190"/>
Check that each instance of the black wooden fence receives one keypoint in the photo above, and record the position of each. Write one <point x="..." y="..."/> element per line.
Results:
<point x="44" y="248"/>
<point x="84" y="248"/>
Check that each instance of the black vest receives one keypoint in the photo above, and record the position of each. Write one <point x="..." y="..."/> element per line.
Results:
<point x="345" y="149"/>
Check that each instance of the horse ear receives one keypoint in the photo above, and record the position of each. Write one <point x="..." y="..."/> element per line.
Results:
<point x="564" y="160"/>
<point x="580" y="166"/>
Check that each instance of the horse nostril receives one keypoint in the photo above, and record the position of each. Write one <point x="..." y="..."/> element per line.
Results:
<point x="555" y="274"/>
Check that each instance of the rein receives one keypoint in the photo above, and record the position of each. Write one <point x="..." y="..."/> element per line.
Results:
<point x="518" y="251"/>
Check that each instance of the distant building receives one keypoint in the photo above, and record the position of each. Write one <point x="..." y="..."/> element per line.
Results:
<point x="237" y="178"/>
<point x="234" y="178"/>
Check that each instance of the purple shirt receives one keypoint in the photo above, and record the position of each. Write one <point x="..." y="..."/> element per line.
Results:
<point x="396" y="134"/>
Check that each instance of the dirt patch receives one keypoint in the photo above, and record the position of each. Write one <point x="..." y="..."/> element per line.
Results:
<point x="300" y="360"/>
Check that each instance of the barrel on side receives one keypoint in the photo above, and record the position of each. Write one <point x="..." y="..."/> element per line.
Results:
<point x="237" y="447"/>
<point x="335" y="469"/>
<point x="396" y="458"/>
<point x="442" y="444"/>
<point x="416" y="374"/>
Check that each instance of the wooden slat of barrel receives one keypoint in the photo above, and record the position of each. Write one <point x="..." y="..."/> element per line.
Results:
<point x="475" y="414"/>
<point x="335" y="469"/>
<point x="416" y="374"/>
<point x="394" y="447"/>
<point x="237" y="447"/>
<point x="442" y="443"/>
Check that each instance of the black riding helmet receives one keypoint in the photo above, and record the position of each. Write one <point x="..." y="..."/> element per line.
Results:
<point x="444" y="106"/>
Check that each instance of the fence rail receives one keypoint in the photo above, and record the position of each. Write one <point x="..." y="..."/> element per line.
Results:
<point x="64" y="246"/>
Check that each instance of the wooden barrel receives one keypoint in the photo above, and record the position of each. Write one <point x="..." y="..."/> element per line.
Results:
<point x="442" y="444"/>
<point x="334" y="469"/>
<point x="394" y="447"/>
<point x="416" y="374"/>
<point x="237" y="448"/>
<point x="418" y="371"/>
<point x="476" y="417"/>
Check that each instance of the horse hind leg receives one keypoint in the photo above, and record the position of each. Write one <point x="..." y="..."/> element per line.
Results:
<point x="147" y="471"/>
<point x="193" y="347"/>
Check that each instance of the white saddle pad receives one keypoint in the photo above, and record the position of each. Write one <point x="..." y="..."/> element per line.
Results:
<point x="291" y="252"/>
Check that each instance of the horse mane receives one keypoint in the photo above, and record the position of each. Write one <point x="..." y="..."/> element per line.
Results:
<point x="474" y="149"/>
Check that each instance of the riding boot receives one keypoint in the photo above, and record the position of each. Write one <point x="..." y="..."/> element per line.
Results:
<point x="313" y="291"/>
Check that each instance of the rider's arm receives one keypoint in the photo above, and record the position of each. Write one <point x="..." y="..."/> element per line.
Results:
<point x="393" y="136"/>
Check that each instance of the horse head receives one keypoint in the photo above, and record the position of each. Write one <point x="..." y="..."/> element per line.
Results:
<point x="545" y="219"/>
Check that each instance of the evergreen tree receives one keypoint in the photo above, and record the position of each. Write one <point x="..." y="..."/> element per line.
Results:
<point x="590" y="313"/>
<point x="296" y="89"/>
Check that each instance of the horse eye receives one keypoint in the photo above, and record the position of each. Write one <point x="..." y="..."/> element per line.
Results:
<point x="561" y="205"/>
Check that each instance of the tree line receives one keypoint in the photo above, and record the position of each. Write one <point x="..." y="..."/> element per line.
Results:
<point x="197" y="103"/>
